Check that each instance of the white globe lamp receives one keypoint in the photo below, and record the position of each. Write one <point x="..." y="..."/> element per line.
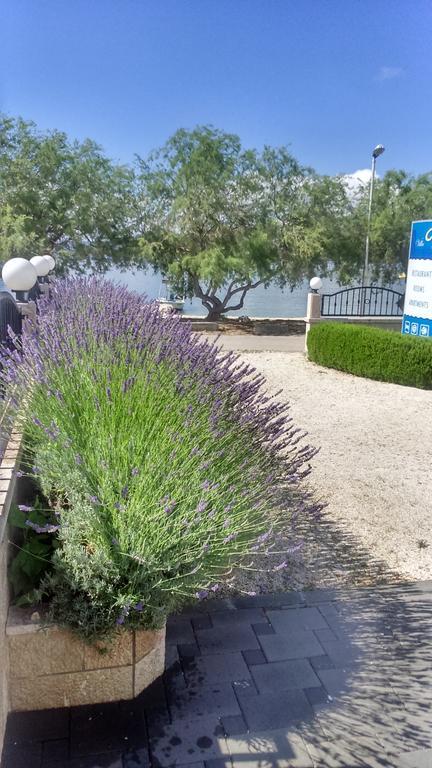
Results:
<point x="50" y="260"/>
<point x="315" y="284"/>
<point x="41" y="265"/>
<point x="19" y="275"/>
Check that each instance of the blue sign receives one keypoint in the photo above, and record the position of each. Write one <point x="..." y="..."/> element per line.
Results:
<point x="417" y="319"/>
<point x="421" y="240"/>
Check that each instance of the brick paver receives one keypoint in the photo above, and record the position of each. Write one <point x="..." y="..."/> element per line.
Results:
<point x="320" y="679"/>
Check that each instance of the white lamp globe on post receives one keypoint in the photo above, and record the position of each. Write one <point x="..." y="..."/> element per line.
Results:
<point x="19" y="275"/>
<point x="41" y="266"/>
<point x="315" y="284"/>
<point x="50" y="260"/>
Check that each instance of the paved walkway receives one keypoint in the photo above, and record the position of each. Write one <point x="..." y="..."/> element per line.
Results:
<point x="330" y="679"/>
<point x="251" y="343"/>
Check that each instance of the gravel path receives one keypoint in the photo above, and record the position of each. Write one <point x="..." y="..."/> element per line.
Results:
<point x="373" y="469"/>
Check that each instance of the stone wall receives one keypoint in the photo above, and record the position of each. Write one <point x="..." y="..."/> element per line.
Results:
<point x="4" y="659"/>
<point x="52" y="668"/>
<point x="287" y="326"/>
<point x="385" y="323"/>
<point x="7" y="489"/>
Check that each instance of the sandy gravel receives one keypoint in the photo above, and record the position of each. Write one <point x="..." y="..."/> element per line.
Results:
<point x="374" y="469"/>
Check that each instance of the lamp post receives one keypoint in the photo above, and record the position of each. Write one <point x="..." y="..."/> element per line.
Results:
<point x="50" y="260"/>
<point x="379" y="149"/>
<point x="42" y="267"/>
<point x="19" y="275"/>
<point x="313" y="311"/>
<point x="315" y="284"/>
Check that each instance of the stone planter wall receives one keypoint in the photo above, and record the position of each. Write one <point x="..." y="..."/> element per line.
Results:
<point x="51" y="667"/>
<point x="8" y="466"/>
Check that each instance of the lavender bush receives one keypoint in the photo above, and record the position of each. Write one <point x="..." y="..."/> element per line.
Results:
<point x="165" y="456"/>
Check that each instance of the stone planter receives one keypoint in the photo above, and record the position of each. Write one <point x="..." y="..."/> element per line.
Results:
<point x="8" y="466"/>
<point x="52" y="668"/>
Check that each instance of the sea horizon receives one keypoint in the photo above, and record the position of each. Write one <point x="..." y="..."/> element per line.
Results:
<point x="271" y="302"/>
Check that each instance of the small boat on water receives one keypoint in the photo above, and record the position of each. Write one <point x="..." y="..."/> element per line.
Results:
<point x="168" y="299"/>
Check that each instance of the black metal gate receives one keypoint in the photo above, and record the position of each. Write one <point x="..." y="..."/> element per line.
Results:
<point x="368" y="300"/>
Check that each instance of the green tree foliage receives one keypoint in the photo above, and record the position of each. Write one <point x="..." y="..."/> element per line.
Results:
<point x="220" y="220"/>
<point x="64" y="197"/>
<point x="398" y="200"/>
<point x="217" y="220"/>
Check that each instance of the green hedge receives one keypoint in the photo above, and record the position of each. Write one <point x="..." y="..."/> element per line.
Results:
<point x="372" y="352"/>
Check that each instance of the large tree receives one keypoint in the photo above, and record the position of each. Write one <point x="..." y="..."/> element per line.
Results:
<point x="63" y="196"/>
<point x="398" y="200"/>
<point x="216" y="219"/>
<point x="219" y="220"/>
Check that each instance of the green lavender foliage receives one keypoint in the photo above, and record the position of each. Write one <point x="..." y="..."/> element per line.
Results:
<point x="33" y="551"/>
<point x="164" y="453"/>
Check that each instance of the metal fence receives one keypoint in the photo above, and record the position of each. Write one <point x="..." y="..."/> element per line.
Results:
<point x="365" y="300"/>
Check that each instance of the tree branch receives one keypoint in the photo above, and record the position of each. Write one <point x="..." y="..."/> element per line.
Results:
<point x="249" y="286"/>
<point x="240" y="303"/>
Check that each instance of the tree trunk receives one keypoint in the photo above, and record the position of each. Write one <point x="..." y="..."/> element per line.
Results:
<point x="216" y="307"/>
<point x="215" y="314"/>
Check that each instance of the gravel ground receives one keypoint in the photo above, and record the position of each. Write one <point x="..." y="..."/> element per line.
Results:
<point x="373" y="469"/>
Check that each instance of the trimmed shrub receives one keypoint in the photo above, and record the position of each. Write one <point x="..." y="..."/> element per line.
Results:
<point x="164" y="455"/>
<point x="372" y="352"/>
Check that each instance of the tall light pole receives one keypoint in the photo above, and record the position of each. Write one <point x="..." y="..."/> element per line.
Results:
<point x="379" y="149"/>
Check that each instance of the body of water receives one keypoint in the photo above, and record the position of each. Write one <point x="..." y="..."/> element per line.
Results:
<point x="261" y="302"/>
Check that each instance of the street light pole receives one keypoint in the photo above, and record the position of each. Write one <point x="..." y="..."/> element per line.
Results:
<point x="379" y="149"/>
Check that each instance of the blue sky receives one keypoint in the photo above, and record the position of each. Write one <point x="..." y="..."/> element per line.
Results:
<point x="330" y="78"/>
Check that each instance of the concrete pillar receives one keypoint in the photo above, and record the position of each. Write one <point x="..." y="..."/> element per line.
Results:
<point x="313" y="313"/>
<point x="44" y="289"/>
<point x="27" y="309"/>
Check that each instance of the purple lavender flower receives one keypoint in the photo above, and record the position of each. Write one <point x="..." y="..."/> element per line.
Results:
<point x="135" y="472"/>
<point x="120" y="619"/>
<point x="202" y="594"/>
<point x="264" y="536"/>
<point x="229" y="538"/>
<point x="94" y="500"/>
<point x="215" y="587"/>
<point x="139" y="606"/>
<point x="118" y="506"/>
<point x="124" y="492"/>
<point x="127" y="384"/>
<point x="88" y="314"/>
<point x="281" y="566"/>
<point x="25" y="508"/>
<point x="19" y="473"/>
<point x="48" y="528"/>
